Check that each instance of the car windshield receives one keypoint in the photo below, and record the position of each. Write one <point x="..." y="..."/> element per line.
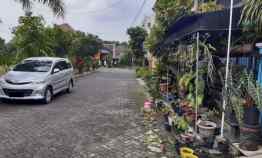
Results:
<point x="34" y="66"/>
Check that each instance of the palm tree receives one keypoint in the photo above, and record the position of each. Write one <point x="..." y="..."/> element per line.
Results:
<point x="252" y="13"/>
<point x="57" y="6"/>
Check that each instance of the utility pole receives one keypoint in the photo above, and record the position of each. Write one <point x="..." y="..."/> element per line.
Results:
<point x="227" y="68"/>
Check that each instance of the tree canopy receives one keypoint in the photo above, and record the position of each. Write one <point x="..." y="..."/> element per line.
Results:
<point x="61" y="41"/>
<point x="136" y="43"/>
<point x="30" y="38"/>
<point x="57" y="6"/>
<point x="86" y="44"/>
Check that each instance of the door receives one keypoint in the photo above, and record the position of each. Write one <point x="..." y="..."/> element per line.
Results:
<point x="58" y="78"/>
<point x="67" y="73"/>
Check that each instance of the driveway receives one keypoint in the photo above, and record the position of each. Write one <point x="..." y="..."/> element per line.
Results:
<point x="101" y="118"/>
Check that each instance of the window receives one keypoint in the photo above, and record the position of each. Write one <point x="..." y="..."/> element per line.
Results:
<point x="64" y="65"/>
<point x="69" y="66"/>
<point x="59" y="66"/>
<point x="34" y="66"/>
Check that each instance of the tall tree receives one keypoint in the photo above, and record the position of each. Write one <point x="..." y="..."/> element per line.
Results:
<point x="61" y="41"/>
<point x="86" y="45"/>
<point x="30" y="38"/>
<point x="137" y="37"/>
<point x="57" y="6"/>
<point x="156" y="35"/>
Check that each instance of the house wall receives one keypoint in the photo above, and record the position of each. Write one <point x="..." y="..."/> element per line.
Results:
<point x="250" y="63"/>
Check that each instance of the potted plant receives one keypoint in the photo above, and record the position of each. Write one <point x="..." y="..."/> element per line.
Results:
<point x="250" y="129"/>
<point x="206" y="128"/>
<point x="180" y="124"/>
<point x="251" y="112"/>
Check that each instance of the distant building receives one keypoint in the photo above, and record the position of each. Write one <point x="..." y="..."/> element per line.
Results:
<point x="120" y="51"/>
<point x="102" y="56"/>
<point x="117" y="50"/>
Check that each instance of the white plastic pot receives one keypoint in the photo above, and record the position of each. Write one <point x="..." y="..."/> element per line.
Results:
<point x="206" y="128"/>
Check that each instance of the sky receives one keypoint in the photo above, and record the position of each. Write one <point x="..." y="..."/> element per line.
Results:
<point x="109" y="19"/>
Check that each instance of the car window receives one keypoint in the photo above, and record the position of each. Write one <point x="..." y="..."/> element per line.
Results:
<point x="69" y="66"/>
<point x="33" y="66"/>
<point x="64" y="65"/>
<point x="59" y="66"/>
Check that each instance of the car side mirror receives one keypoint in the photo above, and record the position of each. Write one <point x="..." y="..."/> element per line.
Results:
<point x="56" y="70"/>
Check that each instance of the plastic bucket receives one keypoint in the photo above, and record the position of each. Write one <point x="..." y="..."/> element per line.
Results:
<point x="187" y="153"/>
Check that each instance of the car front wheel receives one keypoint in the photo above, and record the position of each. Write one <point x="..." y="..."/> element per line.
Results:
<point x="70" y="87"/>
<point x="48" y="96"/>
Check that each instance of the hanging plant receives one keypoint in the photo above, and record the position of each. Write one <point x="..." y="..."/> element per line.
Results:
<point x="208" y="49"/>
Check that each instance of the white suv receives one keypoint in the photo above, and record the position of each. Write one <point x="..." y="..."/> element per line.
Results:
<point x="38" y="78"/>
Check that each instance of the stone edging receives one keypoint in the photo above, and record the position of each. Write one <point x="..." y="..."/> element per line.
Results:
<point x="77" y="76"/>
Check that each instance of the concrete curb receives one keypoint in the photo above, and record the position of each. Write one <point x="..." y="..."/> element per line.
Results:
<point x="78" y="76"/>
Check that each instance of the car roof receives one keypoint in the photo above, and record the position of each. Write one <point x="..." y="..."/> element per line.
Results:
<point x="53" y="59"/>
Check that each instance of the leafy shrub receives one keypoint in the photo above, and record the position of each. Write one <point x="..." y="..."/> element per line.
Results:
<point x="152" y="83"/>
<point x="143" y="73"/>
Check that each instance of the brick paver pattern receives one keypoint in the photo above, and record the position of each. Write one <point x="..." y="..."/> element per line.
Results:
<point x="100" y="119"/>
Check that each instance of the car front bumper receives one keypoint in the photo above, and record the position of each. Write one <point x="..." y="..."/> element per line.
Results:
<point x="22" y="98"/>
<point x="37" y="92"/>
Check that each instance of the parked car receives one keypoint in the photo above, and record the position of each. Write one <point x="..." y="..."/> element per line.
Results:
<point x="37" y="78"/>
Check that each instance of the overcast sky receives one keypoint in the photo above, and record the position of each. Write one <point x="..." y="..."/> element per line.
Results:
<point x="108" y="19"/>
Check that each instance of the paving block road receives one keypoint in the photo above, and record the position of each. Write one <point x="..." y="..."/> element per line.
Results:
<point x="100" y="119"/>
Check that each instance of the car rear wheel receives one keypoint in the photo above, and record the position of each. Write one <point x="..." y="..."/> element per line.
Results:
<point x="48" y="96"/>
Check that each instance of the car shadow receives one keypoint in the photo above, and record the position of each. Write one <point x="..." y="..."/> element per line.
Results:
<point x="5" y="102"/>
